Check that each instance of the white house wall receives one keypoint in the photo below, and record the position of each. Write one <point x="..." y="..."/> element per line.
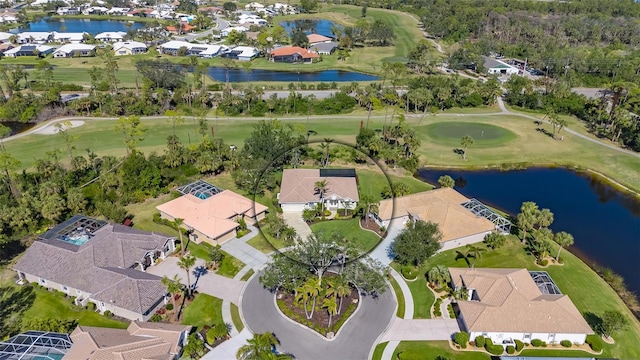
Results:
<point x="498" y="337"/>
<point x="463" y="241"/>
<point x="293" y="207"/>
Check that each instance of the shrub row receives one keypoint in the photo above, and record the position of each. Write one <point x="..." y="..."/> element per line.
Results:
<point x="452" y="314"/>
<point x="511" y="349"/>
<point x="436" y="308"/>
<point x="409" y="273"/>
<point x="461" y="338"/>
<point x="519" y="345"/>
<point x="566" y="343"/>
<point x="594" y="342"/>
<point x="491" y="348"/>
<point x="479" y="341"/>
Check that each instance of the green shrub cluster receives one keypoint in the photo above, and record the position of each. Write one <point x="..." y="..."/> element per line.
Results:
<point x="108" y="313"/>
<point x="452" y="314"/>
<point x="91" y="306"/>
<point x="461" y="338"/>
<point x="566" y="343"/>
<point x="519" y="345"/>
<point x="536" y="342"/>
<point x="155" y="318"/>
<point x="544" y="262"/>
<point x="511" y="350"/>
<point x="594" y="342"/>
<point x="493" y="349"/>
<point x="409" y="272"/>
<point x="436" y="307"/>
<point x="169" y="306"/>
<point x="479" y="341"/>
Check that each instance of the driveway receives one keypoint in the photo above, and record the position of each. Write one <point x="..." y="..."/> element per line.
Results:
<point x="421" y="329"/>
<point x="354" y="341"/>
<point x="208" y="283"/>
<point x="249" y="255"/>
<point x="294" y="219"/>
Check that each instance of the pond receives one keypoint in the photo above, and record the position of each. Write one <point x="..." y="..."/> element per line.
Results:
<point x="78" y="25"/>
<point x="239" y="75"/>
<point x="604" y="222"/>
<point x="310" y="26"/>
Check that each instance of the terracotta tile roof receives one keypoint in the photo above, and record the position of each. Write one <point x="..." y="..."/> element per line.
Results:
<point x="317" y="38"/>
<point x="298" y="186"/>
<point x="137" y="342"/>
<point x="213" y="215"/>
<point x="510" y="301"/>
<point x="441" y="206"/>
<point x="185" y="27"/>
<point x="290" y="50"/>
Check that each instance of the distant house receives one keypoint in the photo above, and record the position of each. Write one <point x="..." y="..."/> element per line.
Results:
<point x="227" y="31"/>
<point x="68" y="37"/>
<point x="241" y="53"/>
<point x="98" y="10"/>
<point x="111" y="36"/>
<point x="251" y="19"/>
<point x="129" y="48"/>
<point x="34" y="37"/>
<point x="497" y="67"/>
<point x="212" y="214"/>
<point x="118" y="11"/>
<point x="5" y="37"/>
<point x="444" y="206"/>
<point x="141" y="12"/>
<point x="185" y="28"/>
<point x="68" y="11"/>
<point x="317" y="38"/>
<point x="515" y="304"/>
<point x="324" y="48"/>
<point x="95" y="261"/>
<point x="293" y="54"/>
<point x="173" y="48"/>
<point x="29" y="50"/>
<point x="6" y="46"/>
<point x="254" y="6"/>
<point x="140" y="341"/>
<point x="298" y="191"/>
<point x="75" y="50"/>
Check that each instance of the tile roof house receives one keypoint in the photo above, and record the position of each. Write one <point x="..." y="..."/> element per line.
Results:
<point x="111" y="36"/>
<point x="324" y="48"/>
<point x="75" y="50"/>
<point x="442" y="206"/>
<point x="507" y="305"/>
<point x="293" y="54"/>
<point x="101" y="263"/>
<point x="129" y="48"/>
<point x="317" y="38"/>
<point x="140" y="341"/>
<point x="215" y="218"/>
<point x="495" y="66"/>
<point x="29" y="50"/>
<point x="298" y="190"/>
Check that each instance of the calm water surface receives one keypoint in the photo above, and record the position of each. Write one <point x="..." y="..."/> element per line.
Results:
<point x="310" y="26"/>
<point x="239" y="75"/>
<point x="605" y="222"/>
<point x="79" y="25"/>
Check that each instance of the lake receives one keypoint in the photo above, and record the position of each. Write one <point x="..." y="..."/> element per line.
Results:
<point x="239" y="75"/>
<point x="310" y="26"/>
<point x="78" y="25"/>
<point x="604" y="222"/>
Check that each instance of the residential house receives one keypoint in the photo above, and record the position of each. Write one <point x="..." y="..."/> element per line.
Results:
<point x="174" y="47"/>
<point x="29" y="50"/>
<point x="140" y="341"/>
<point x="254" y="6"/>
<point x="241" y="53"/>
<point x="212" y="51"/>
<point x="146" y="12"/>
<point x="75" y="50"/>
<point x="515" y="304"/>
<point x="210" y="213"/>
<point x="111" y="36"/>
<point x="324" y="48"/>
<point x="293" y="54"/>
<point x="75" y="38"/>
<point x="118" y="11"/>
<point x="8" y="19"/>
<point x="5" y="37"/>
<point x="227" y="31"/>
<point x="95" y="261"/>
<point x="498" y="67"/>
<point x="284" y="9"/>
<point x="129" y="48"/>
<point x="298" y="190"/>
<point x="251" y="19"/>
<point x="317" y="38"/>
<point x="34" y="37"/>
<point x="68" y="11"/>
<point x="444" y="206"/>
<point x="6" y="46"/>
<point x="94" y="10"/>
<point x="183" y="28"/>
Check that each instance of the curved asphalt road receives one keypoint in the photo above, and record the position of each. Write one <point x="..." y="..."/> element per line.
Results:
<point x="354" y="341"/>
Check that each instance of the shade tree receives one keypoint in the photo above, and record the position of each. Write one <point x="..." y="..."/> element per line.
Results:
<point x="416" y="243"/>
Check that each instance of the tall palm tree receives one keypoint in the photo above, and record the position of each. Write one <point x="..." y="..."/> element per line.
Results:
<point x="312" y="288"/>
<point x="527" y="218"/>
<point x="326" y="147"/>
<point x="439" y="275"/>
<point x="186" y="263"/>
<point x="544" y="218"/>
<point x="260" y="347"/>
<point x="173" y="287"/>
<point x="177" y="222"/>
<point x="321" y="187"/>
<point x="289" y="235"/>
<point x="331" y="305"/>
<point x="562" y="239"/>
<point x="341" y="288"/>
<point x="475" y="252"/>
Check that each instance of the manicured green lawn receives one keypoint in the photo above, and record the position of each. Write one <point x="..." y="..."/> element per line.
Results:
<point x="248" y="275"/>
<point x="554" y="352"/>
<point x="399" y="297"/>
<point x="235" y="317"/>
<point x="143" y="216"/>
<point x="362" y="239"/>
<point x="420" y="350"/>
<point x="423" y="298"/>
<point x="266" y="243"/>
<point x="484" y="135"/>
<point x="586" y="289"/>
<point x="52" y="305"/>
<point x="377" y="352"/>
<point x="229" y="266"/>
<point x="373" y="182"/>
<point x="204" y="310"/>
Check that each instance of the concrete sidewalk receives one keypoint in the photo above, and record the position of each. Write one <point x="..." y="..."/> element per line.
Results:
<point x="228" y="349"/>
<point x="249" y="255"/>
<point x="421" y="330"/>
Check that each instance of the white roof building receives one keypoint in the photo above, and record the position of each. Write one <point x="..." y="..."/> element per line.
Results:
<point x="172" y="47"/>
<point x="70" y="37"/>
<point x="254" y="6"/>
<point x="129" y="48"/>
<point x="111" y="36"/>
<point x="70" y="50"/>
<point x="8" y="19"/>
<point x="27" y="50"/>
<point x="118" y="11"/>
<point x="5" y="36"/>
<point x="34" y="37"/>
<point x="212" y="51"/>
<point x="243" y="53"/>
<point x="228" y="30"/>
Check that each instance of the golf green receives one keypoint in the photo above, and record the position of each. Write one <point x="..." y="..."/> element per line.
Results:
<point x="484" y="135"/>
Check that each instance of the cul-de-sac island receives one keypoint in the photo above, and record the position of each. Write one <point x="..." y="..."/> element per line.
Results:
<point x="384" y="180"/>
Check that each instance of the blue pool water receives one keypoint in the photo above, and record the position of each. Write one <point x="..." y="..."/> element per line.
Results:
<point x="79" y="25"/>
<point x="239" y="75"/>
<point x="76" y="239"/>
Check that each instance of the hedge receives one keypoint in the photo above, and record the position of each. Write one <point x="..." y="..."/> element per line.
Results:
<point x="594" y="342"/>
<point x="408" y="272"/>
<point x="479" y="341"/>
<point x="536" y="342"/>
<point x="519" y="345"/>
<point x="461" y="338"/>
<point x="169" y="306"/>
<point x="565" y="343"/>
<point x="511" y="349"/>
<point x="493" y="349"/>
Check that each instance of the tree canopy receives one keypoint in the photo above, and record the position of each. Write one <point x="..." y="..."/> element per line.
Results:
<point x="416" y="243"/>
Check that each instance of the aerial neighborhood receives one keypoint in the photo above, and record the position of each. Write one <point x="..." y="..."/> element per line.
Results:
<point x="417" y="180"/>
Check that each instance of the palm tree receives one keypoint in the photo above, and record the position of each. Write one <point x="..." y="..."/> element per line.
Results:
<point x="326" y="147"/>
<point x="177" y="222"/>
<point x="562" y="239"/>
<point x="289" y="235"/>
<point x="332" y="307"/>
<point x="309" y="291"/>
<point x="475" y="252"/>
<point x="368" y="205"/>
<point x="173" y="287"/>
<point x="341" y="288"/>
<point x="260" y="347"/>
<point x="466" y="141"/>
<point x="542" y="243"/>
<point x="439" y="275"/>
<point x="321" y="187"/>
<point x="527" y="218"/>
<point x="185" y="263"/>
<point x="544" y="218"/>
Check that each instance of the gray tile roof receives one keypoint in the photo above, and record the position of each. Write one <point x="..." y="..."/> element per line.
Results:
<point x="324" y="47"/>
<point x="101" y="266"/>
